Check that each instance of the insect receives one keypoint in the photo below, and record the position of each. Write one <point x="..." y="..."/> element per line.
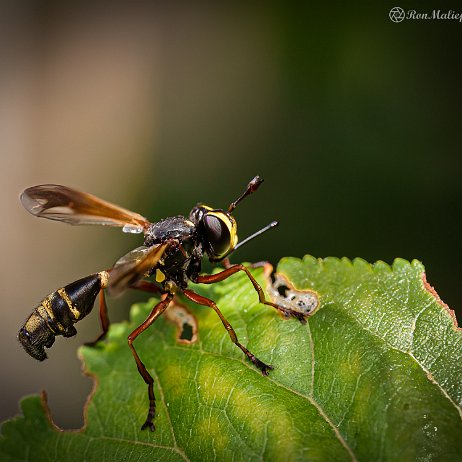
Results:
<point x="170" y="256"/>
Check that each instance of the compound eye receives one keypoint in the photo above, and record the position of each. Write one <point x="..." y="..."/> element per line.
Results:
<point x="217" y="235"/>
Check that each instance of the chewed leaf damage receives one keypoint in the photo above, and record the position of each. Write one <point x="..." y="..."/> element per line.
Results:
<point x="283" y="293"/>
<point x="184" y="320"/>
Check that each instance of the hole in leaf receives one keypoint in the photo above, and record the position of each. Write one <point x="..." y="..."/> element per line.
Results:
<point x="185" y="322"/>
<point x="186" y="332"/>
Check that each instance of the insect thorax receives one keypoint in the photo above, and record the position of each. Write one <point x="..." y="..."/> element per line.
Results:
<point x="183" y="257"/>
<point x="170" y="228"/>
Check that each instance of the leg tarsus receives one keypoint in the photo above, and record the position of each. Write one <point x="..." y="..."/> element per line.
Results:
<point x="149" y="422"/>
<point x="222" y="275"/>
<point x="200" y="300"/>
<point x="287" y="313"/>
<point x="264" y="368"/>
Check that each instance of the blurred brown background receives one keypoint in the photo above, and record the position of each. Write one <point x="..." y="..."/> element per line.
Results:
<point x="353" y="121"/>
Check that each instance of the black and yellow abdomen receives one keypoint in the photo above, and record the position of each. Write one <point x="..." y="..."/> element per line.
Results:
<point x="58" y="312"/>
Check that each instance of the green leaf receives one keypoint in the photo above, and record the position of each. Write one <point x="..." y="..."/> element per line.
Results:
<point x="375" y="374"/>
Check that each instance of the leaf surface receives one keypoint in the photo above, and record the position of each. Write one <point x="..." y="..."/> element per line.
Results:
<point x="375" y="374"/>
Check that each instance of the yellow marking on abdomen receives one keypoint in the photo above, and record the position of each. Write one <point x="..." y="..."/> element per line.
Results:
<point x="72" y="308"/>
<point x="45" y="309"/>
<point x="33" y="322"/>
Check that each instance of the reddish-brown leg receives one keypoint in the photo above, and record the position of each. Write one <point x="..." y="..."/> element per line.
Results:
<point x="155" y="313"/>
<point x="103" y="318"/>
<point x="147" y="286"/>
<point x="200" y="300"/>
<point x="212" y="278"/>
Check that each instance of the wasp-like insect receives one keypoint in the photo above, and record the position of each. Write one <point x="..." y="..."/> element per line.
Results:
<point x="172" y="254"/>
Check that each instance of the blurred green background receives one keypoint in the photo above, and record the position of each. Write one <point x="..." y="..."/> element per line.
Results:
<point x="353" y="121"/>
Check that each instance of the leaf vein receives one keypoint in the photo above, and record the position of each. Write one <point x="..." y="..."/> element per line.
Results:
<point x="167" y="412"/>
<point x="424" y="369"/>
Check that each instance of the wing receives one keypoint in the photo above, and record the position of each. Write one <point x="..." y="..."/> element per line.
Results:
<point x="68" y="205"/>
<point x="134" y="266"/>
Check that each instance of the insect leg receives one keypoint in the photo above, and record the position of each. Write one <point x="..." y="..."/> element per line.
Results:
<point x="222" y="275"/>
<point x="103" y="318"/>
<point x="147" y="286"/>
<point x="200" y="300"/>
<point x="155" y="313"/>
<point x="103" y="314"/>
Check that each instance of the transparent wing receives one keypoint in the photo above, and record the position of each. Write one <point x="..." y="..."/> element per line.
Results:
<point x="68" y="205"/>
<point x="134" y="266"/>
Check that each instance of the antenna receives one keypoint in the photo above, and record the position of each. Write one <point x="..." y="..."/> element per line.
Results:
<point x="251" y="187"/>
<point x="272" y="225"/>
